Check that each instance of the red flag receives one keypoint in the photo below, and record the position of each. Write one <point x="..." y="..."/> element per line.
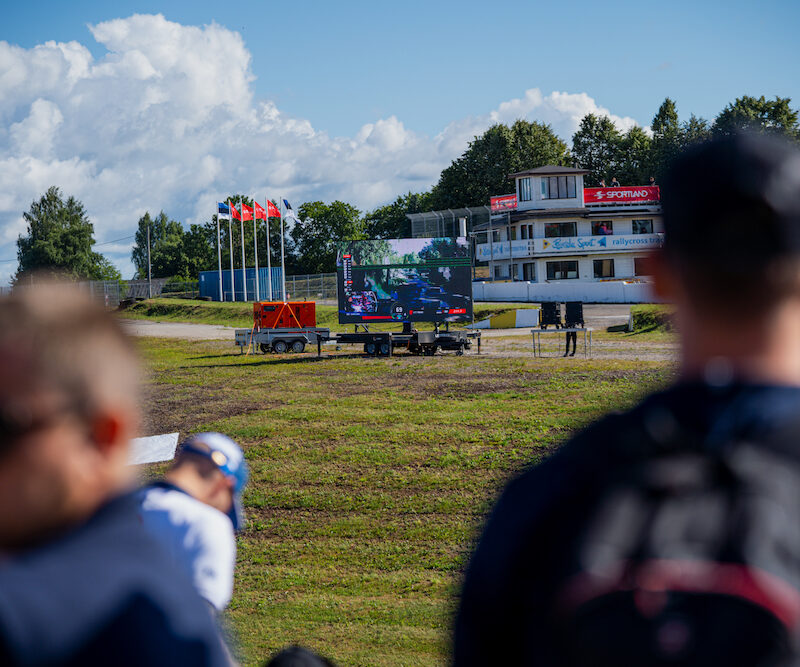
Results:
<point x="272" y="210"/>
<point x="259" y="212"/>
<point x="235" y="213"/>
<point x="247" y="213"/>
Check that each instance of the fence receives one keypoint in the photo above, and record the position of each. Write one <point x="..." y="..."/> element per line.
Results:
<point x="617" y="291"/>
<point x="314" y="287"/>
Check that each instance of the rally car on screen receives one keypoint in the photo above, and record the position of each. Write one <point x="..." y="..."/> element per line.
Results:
<point x="362" y="302"/>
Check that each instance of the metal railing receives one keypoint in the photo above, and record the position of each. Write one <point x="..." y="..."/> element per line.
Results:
<point x="312" y="287"/>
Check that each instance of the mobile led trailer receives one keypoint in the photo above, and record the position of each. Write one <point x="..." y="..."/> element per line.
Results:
<point x="404" y="280"/>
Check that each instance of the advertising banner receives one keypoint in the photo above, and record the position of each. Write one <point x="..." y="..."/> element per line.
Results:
<point x="640" y="194"/>
<point x="501" y="250"/>
<point x="503" y="203"/>
<point x="579" y="244"/>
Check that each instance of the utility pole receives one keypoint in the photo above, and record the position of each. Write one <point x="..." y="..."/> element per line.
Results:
<point x="149" y="276"/>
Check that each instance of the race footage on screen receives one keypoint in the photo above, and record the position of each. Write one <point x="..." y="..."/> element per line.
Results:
<point x="404" y="280"/>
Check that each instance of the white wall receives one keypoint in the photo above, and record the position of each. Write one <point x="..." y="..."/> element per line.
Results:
<point x="566" y="290"/>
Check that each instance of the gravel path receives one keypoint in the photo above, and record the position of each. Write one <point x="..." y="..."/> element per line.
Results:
<point x="504" y="342"/>
<point x="177" y="330"/>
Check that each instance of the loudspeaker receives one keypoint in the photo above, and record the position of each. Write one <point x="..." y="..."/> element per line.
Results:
<point x="574" y="316"/>
<point x="551" y="314"/>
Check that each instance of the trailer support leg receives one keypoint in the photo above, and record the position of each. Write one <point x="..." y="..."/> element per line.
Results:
<point x="319" y="347"/>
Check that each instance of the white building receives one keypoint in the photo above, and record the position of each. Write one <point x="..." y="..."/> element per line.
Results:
<point x="554" y="229"/>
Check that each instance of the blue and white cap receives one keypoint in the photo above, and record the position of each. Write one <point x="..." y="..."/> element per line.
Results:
<point x="228" y="457"/>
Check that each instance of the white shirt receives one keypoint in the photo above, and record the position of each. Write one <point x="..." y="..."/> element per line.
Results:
<point x="199" y="538"/>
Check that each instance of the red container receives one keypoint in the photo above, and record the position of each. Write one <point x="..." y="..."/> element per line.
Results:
<point x="279" y="315"/>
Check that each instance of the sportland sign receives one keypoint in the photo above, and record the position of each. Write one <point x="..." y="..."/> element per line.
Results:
<point x="640" y="194"/>
<point x="503" y="203"/>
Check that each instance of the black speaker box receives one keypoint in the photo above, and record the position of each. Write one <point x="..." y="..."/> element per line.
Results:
<point x="574" y="316"/>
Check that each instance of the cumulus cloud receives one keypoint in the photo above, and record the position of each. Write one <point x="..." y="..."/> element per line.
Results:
<point x="164" y="118"/>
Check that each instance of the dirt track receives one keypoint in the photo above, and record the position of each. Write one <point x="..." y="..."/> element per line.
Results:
<point x="598" y="316"/>
<point x="177" y="330"/>
<point x="496" y="342"/>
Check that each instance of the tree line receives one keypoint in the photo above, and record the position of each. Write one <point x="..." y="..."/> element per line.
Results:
<point x="59" y="234"/>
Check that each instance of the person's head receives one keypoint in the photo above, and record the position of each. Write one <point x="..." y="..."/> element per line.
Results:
<point x="732" y="225"/>
<point x="652" y="180"/>
<point x="602" y="182"/>
<point x="211" y="467"/>
<point x="731" y="257"/>
<point x="297" y="656"/>
<point x="68" y="409"/>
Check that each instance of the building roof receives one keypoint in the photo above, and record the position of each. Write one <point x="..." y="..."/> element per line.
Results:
<point x="550" y="170"/>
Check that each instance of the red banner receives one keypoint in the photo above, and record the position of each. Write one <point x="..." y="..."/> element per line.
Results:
<point x="638" y="194"/>
<point x="503" y="203"/>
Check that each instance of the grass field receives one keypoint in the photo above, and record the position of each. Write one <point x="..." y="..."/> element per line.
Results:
<point x="371" y="478"/>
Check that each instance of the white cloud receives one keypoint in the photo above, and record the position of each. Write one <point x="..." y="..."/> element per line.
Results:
<point x="167" y="120"/>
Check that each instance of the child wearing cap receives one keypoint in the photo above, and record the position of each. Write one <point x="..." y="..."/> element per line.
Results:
<point x="194" y="511"/>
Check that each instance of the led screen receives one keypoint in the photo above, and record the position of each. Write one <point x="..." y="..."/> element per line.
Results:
<point x="404" y="280"/>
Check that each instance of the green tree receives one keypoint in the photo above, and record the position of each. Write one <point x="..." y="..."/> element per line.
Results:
<point x="666" y="138"/>
<point x="320" y="228"/>
<point x="596" y="147"/>
<point x="59" y="239"/>
<point x="633" y="162"/>
<point x="483" y="169"/>
<point x="199" y="249"/>
<point x="694" y="131"/>
<point x="758" y="115"/>
<point x="390" y="221"/>
<point x="167" y="258"/>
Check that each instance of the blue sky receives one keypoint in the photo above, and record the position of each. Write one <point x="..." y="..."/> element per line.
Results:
<point x="343" y="64"/>
<point x="359" y="101"/>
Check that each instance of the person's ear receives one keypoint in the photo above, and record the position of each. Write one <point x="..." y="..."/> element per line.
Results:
<point x="665" y="279"/>
<point x="105" y="430"/>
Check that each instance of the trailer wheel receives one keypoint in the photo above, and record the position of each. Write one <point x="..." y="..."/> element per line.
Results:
<point x="370" y="347"/>
<point x="298" y="346"/>
<point x="385" y="349"/>
<point x="264" y="348"/>
<point x="280" y="347"/>
<point x="460" y="352"/>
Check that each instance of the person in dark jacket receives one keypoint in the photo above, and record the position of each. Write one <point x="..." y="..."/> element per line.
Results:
<point x="531" y="590"/>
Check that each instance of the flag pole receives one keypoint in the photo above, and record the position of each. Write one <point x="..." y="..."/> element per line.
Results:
<point x="244" y="270"/>
<point x="219" y="258"/>
<point x="283" y="260"/>
<point x="255" y="249"/>
<point x="269" y="261"/>
<point x="230" y="242"/>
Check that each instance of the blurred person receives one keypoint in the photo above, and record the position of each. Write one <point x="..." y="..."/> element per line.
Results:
<point x="297" y="656"/>
<point x="652" y="181"/>
<point x="570" y="336"/>
<point x="614" y="182"/>
<point x="602" y="183"/>
<point x="668" y="535"/>
<point x="194" y="511"/>
<point x="81" y="583"/>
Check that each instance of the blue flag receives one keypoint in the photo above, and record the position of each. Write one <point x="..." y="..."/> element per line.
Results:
<point x="223" y="210"/>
